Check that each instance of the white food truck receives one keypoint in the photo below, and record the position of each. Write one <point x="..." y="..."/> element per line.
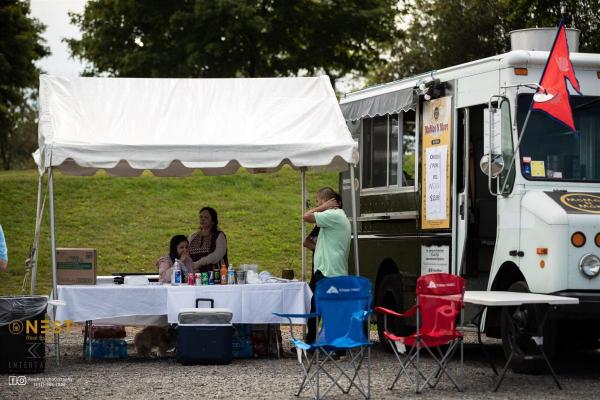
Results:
<point x="428" y="203"/>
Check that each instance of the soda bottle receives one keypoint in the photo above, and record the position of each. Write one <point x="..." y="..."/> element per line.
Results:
<point x="223" y="273"/>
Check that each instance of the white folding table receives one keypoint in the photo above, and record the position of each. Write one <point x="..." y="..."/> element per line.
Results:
<point x="157" y="304"/>
<point x="505" y="299"/>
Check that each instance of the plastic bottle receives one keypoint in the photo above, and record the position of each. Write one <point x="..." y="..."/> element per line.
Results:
<point x="231" y="275"/>
<point x="176" y="273"/>
<point x="223" y="273"/>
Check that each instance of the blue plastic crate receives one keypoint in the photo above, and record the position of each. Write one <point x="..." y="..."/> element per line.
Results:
<point x="103" y="349"/>
<point x="241" y="347"/>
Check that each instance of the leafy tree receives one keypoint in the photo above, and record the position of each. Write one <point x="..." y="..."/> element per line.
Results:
<point x="20" y="45"/>
<point x="442" y="33"/>
<point x="24" y="138"/>
<point x="580" y="14"/>
<point x="231" y="38"/>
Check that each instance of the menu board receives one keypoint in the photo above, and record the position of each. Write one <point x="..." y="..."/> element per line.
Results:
<point x="435" y="163"/>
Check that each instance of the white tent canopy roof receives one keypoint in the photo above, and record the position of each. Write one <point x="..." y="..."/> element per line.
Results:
<point x="172" y="126"/>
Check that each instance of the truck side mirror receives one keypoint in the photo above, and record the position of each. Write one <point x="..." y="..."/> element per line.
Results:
<point x="497" y="164"/>
<point x="492" y="162"/>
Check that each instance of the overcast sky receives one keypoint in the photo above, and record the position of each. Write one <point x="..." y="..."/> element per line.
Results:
<point x="53" y="14"/>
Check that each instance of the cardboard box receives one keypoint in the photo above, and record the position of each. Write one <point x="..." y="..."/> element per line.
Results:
<point x="75" y="266"/>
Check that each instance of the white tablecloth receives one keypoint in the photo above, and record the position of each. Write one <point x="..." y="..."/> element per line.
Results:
<point x="137" y="305"/>
<point x="251" y="304"/>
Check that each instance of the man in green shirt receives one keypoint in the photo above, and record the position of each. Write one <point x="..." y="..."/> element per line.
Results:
<point x="333" y="244"/>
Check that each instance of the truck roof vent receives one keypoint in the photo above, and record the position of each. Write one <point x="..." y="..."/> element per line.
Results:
<point x="541" y="39"/>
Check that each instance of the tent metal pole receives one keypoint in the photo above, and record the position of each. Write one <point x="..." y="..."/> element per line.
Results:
<point x="53" y="256"/>
<point x="303" y="210"/>
<point x="354" y="228"/>
<point x="36" y="238"/>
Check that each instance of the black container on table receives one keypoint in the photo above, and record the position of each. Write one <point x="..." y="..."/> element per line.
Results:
<point x="22" y="340"/>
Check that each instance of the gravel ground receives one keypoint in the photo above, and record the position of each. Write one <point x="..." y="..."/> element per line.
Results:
<point x="137" y="378"/>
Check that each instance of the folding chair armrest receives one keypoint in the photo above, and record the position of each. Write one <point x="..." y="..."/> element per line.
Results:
<point x="383" y="310"/>
<point x="311" y="315"/>
<point x="408" y="313"/>
<point x="290" y="316"/>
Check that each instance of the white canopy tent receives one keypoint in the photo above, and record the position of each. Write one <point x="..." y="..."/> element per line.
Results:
<point x="173" y="126"/>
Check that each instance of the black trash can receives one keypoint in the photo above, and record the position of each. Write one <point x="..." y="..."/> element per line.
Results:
<point x="22" y="339"/>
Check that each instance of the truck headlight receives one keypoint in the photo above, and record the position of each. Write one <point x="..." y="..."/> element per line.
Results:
<point x="589" y="265"/>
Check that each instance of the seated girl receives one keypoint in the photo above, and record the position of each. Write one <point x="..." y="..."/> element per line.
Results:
<point x="208" y="245"/>
<point x="178" y="249"/>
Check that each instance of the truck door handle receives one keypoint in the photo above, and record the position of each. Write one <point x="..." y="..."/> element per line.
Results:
<point x="516" y="253"/>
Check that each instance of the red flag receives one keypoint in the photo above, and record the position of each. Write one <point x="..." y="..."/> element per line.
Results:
<point x="554" y="81"/>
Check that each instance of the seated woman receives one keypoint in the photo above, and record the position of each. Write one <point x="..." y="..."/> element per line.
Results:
<point x="178" y="249"/>
<point x="208" y="245"/>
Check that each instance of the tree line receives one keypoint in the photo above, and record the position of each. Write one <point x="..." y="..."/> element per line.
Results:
<point x="380" y="40"/>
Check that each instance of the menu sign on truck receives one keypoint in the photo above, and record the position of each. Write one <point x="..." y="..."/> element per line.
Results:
<point x="435" y="164"/>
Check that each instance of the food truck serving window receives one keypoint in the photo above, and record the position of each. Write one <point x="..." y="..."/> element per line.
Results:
<point x="388" y="151"/>
<point x="550" y="151"/>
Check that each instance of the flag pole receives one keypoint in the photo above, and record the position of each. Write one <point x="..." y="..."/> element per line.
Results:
<point x="512" y="160"/>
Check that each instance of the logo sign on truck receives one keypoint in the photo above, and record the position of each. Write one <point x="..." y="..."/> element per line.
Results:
<point x="577" y="203"/>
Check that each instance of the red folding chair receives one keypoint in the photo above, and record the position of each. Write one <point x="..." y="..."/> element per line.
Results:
<point x="439" y="303"/>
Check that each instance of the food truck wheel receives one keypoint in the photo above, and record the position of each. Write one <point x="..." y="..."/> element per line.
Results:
<point x="389" y="295"/>
<point x="518" y="325"/>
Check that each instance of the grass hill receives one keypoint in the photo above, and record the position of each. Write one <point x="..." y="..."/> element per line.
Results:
<point x="131" y="220"/>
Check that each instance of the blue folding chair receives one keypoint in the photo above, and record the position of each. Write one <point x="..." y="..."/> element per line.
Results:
<point x="343" y="305"/>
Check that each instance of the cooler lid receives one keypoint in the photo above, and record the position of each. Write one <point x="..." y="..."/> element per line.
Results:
<point x="205" y="311"/>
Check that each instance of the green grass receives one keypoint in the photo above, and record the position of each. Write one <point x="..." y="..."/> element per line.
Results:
<point x="131" y="220"/>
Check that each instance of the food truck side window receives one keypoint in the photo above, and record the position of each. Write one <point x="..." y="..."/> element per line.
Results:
<point x="388" y="151"/>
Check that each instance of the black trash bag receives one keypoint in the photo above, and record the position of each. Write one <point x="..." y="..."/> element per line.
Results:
<point x="21" y="308"/>
<point x="22" y="342"/>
